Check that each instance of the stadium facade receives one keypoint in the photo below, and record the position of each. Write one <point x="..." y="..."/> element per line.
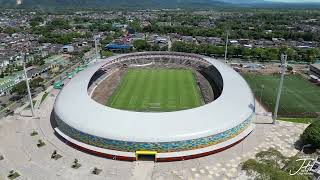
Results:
<point x="169" y="136"/>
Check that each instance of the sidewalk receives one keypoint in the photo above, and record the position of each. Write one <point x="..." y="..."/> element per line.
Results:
<point x="262" y="115"/>
<point x="23" y="111"/>
<point x="142" y="170"/>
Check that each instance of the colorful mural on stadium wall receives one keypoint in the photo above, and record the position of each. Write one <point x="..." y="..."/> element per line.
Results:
<point x="160" y="147"/>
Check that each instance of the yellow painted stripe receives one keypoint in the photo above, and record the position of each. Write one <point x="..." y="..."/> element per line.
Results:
<point x="146" y="152"/>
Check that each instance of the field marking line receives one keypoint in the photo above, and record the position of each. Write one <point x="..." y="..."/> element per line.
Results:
<point x="195" y="92"/>
<point x="118" y="89"/>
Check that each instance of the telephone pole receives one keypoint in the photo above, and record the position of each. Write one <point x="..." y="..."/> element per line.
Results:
<point x="283" y="70"/>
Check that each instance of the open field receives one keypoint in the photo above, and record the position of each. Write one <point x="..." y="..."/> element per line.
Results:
<point x="299" y="97"/>
<point x="156" y="90"/>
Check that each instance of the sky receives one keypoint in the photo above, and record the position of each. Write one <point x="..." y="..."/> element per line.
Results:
<point x="295" y="1"/>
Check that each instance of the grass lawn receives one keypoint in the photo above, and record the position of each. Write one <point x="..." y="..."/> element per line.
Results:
<point x="156" y="90"/>
<point x="299" y="97"/>
<point x="44" y="97"/>
<point x="29" y="106"/>
<point x="299" y="120"/>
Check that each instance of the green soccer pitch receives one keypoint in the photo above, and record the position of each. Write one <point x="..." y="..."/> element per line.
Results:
<point x="299" y="97"/>
<point x="156" y="90"/>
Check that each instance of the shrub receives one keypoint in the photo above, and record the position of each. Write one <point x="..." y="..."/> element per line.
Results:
<point x="311" y="134"/>
<point x="34" y="133"/>
<point x="272" y="165"/>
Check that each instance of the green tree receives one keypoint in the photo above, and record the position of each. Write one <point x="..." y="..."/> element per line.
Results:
<point x="102" y="27"/>
<point x="271" y="164"/>
<point x="292" y="54"/>
<point x="312" y="54"/>
<point x="135" y="25"/>
<point x="141" y="45"/>
<point x="20" y="88"/>
<point x="106" y="40"/>
<point x="36" y="82"/>
<point x="106" y="53"/>
<point x="59" y="23"/>
<point x="311" y="134"/>
<point x="9" y="30"/>
<point x="272" y="54"/>
<point x="36" y="21"/>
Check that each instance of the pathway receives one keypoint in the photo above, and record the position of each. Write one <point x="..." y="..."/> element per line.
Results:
<point x="142" y="170"/>
<point x="21" y="153"/>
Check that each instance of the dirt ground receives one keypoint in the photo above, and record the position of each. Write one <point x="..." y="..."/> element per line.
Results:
<point x="271" y="68"/>
<point x="105" y="89"/>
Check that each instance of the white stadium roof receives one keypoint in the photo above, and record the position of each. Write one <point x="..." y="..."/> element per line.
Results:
<point x="76" y="108"/>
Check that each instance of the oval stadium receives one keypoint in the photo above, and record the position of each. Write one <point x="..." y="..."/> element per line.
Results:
<point x="162" y="105"/>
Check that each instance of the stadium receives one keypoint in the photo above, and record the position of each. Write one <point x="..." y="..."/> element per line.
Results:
<point x="161" y="105"/>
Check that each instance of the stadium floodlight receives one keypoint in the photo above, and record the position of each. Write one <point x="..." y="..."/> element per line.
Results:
<point x="27" y="82"/>
<point x="262" y="88"/>
<point x="226" y="50"/>
<point x="96" y="46"/>
<point x="283" y="69"/>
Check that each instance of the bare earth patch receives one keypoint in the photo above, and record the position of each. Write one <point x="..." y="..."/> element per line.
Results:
<point x="105" y="89"/>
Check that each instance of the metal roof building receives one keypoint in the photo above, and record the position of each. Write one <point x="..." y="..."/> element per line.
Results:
<point x="113" y="46"/>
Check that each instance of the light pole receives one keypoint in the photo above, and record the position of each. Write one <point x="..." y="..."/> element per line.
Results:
<point x="262" y="87"/>
<point x="27" y="82"/>
<point x="226" y="49"/>
<point x="96" y="46"/>
<point x="283" y="69"/>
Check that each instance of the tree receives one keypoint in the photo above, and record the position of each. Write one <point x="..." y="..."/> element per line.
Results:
<point x="141" y="45"/>
<point x="292" y="54"/>
<point x="271" y="164"/>
<point x="135" y="25"/>
<point x="272" y="54"/>
<point x="58" y="23"/>
<point x="311" y="134"/>
<point x="312" y="55"/>
<point x="106" y="53"/>
<point x="36" y="82"/>
<point x="290" y="68"/>
<point x="36" y="21"/>
<point x="9" y="30"/>
<point x="155" y="47"/>
<point x="102" y="27"/>
<point x="180" y="46"/>
<point x="20" y="88"/>
<point x="164" y="48"/>
<point x="106" y="40"/>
